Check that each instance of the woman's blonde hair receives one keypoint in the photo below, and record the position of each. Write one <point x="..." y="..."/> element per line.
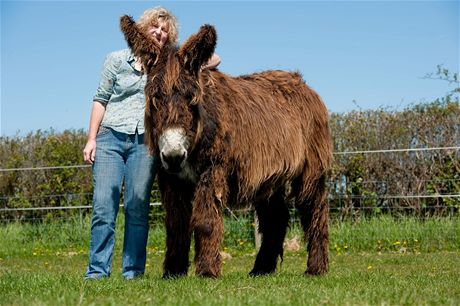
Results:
<point x="151" y="16"/>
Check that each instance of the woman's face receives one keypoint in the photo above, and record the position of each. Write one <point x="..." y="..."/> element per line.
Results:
<point x="159" y="31"/>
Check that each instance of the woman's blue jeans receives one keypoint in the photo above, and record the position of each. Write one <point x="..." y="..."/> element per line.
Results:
<point x="120" y="157"/>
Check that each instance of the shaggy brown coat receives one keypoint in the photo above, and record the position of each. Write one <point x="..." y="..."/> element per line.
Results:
<point x="246" y="139"/>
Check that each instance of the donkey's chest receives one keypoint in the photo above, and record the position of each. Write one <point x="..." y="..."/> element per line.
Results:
<point x="188" y="173"/>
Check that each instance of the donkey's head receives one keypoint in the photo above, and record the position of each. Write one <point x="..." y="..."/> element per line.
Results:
<point x="174" y="91"/>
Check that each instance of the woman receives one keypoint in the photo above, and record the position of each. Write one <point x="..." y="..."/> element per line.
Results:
<point x="117" y="131"/>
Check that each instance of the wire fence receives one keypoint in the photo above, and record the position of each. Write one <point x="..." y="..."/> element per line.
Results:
<point x="342" y="201"/>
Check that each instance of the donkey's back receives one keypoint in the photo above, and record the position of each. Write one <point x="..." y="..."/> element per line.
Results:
<point x="270" y="121"/>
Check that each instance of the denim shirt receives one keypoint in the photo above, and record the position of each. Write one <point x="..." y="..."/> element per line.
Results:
<point x="121" y="90"/>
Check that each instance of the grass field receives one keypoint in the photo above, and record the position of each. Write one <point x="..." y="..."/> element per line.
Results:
<point x="374" y="261"/>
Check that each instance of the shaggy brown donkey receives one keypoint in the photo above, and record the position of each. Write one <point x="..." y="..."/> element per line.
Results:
<point x="224" y="141"/>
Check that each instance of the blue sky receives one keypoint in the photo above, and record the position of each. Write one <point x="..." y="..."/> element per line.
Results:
<point x="355" y="54"/>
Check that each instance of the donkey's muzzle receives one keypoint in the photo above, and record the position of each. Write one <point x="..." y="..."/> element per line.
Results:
<point x="174" y="162"/>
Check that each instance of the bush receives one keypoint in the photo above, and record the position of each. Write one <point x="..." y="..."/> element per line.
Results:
<point x="358" y="183"/>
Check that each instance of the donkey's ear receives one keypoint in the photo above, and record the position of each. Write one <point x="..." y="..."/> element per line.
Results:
<point x="141" y="45"/>
<point x="198" y="49"/>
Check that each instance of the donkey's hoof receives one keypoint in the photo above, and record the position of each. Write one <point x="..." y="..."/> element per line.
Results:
<point x="256" y="273"/>
<point x="317" y="272"/>
<point x="208" y="274"/>
<point x="170" y="275"/>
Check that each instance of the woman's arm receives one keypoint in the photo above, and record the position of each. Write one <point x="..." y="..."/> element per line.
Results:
<point x="213" y="62"/>
<point x="101" y="98"/>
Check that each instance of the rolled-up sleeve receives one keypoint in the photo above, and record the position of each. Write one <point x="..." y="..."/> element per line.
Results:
<point x="108" y="78"/>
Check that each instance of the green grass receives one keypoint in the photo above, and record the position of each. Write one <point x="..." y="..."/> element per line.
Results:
<point x="374" y="261"/>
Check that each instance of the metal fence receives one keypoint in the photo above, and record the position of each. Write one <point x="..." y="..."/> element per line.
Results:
<point x="341" y="207"/>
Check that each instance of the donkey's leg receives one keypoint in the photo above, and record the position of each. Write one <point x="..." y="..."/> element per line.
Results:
<point x="273" y="221"/>
<point x="207" y="222"/>
<point x="314" y="216"/>
<point x="176" y="198"/>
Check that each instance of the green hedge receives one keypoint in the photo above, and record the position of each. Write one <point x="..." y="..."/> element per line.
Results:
<point x="358" y="182"/>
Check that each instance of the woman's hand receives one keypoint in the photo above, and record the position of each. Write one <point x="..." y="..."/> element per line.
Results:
<point x="89" y="152"/>
<point x="97" y="113"/>
<point x="212" y="63"/>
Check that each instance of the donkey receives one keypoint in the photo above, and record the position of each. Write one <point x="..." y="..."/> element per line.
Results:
<point x="224" y="141"/>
